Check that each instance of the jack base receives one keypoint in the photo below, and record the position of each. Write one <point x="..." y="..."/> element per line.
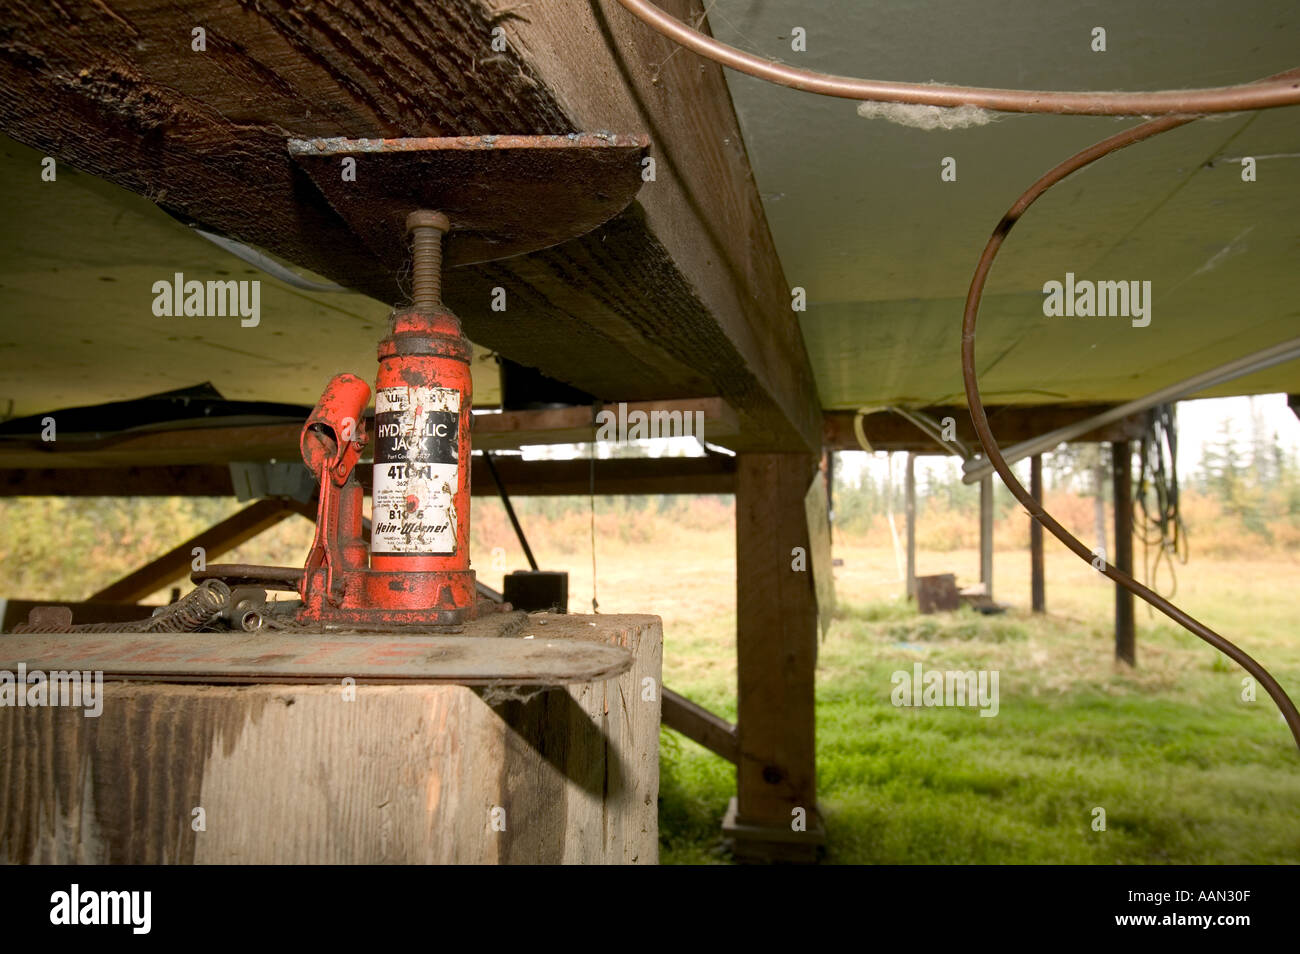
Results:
<point x="384" y="599"/>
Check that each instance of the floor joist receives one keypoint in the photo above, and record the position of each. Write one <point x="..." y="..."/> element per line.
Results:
<point x="615" y="476"/>
<point x="513" y="429"/>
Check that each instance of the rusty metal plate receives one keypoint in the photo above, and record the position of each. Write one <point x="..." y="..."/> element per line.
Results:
<point x="299" y="658"/>
<point x="504" y="195"/>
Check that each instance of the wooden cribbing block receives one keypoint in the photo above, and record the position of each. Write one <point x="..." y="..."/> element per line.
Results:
<point x="409" y="772"/>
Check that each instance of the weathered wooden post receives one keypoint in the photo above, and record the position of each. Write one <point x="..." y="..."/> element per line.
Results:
<point x="1125" y="635"/>
<point x="1037" y="581"/>
<point x="774" y="815"/>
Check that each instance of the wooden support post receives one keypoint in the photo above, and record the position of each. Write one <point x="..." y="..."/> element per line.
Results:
<point x="774" y="815"/>
<point x="909" y="490"/>
<point x="1037" y="580"/>
<point x="214" y="541"/>
<point x="986" y="536"/>
<point x="1125" y="634"/>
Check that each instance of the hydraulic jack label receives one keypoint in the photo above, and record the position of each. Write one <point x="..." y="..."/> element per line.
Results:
<point x="417" y="471"/>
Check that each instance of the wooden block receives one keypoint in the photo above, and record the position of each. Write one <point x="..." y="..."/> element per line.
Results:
<point x="297" y="774"/>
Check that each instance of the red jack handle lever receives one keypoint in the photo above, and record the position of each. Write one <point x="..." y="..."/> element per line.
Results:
<point x="331" y="443"/>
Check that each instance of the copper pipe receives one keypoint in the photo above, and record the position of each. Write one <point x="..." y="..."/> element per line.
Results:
<point x="1279" y="90"/>
<point x="1222" y="99"/>
<point x="991" y="450"/>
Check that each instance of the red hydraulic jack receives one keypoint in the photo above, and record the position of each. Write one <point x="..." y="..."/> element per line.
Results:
<point x="415" y="572"/>
<point x="416" y="569"/>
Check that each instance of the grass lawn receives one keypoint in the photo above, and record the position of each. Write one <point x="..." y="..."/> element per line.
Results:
<point x="1185" y="769"/>
<point x="1187" y="773"/>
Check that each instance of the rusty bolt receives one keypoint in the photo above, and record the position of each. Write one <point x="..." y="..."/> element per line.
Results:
<point x="426" y="228"/>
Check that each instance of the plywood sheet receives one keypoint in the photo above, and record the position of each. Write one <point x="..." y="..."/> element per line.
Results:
<point x="886" y="249"/>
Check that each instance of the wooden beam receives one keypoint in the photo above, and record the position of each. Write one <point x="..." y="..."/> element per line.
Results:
<point x="510" y="430"/>
<point x="513" y="429"/>
<point x="214" y="541"/>
<point x="1125" y="621"/>
<point x="1037" y="576"/>
<point x="680" y="295"/>
<point x="715" y="474"/>
<point x="161" y="448"/>
<point x="1010" y="423"/>
<point x="703" y="207"/>
<point x="776" y="645"/>
<point x="615" y="476"/>
<point x="507" y="430"/>
<point x="190" y="480"/>
<point x="700" y="725"/>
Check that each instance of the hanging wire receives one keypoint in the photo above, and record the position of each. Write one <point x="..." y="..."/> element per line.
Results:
<point x="1161" y="528"/>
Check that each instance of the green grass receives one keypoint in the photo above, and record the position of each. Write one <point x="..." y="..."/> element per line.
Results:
<point x="1186" y="771"/>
